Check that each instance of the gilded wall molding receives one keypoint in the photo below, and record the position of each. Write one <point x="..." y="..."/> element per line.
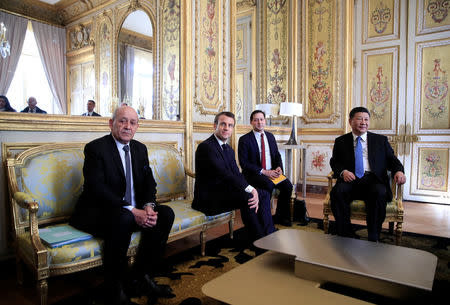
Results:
<point x="55" y="123"/>
<point x="244" y="4"/>
<point x="79" y="37"/>
<point x="210" y="57"/>
<point x="40" y="11"/>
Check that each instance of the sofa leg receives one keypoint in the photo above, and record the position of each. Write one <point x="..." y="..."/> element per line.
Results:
<point x="326" y="222"/>
<point x="398" y="233"/>
<point x="42" y="289"/>
<point x="231" y="227"/>
<point x="203" y="242"/>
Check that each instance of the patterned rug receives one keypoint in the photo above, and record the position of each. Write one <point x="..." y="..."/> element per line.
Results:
<point x="187" y="272"/>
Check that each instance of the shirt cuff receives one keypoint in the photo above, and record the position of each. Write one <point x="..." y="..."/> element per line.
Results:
<point x="249" y="189"/>
<point x="129" y="207"/>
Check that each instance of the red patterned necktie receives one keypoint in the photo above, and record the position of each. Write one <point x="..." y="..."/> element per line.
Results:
<point x="263" y="152"/>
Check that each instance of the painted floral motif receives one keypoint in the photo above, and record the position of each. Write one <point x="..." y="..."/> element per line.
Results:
<point x="438" y="9"/>
<point x="433" y="176"/>
<point x="320" y="94"/>
<point x="380" y="18"/>
<point x="436" y="90"/>
<point x="171" y="20"/>
<point x="277" y="95"/>
<point x="209" y="76"/>
<point x="318" y="160"/>
<point x="320" y="11"/>
<point x="275" y="5"/>
<point x="379" y="94"/>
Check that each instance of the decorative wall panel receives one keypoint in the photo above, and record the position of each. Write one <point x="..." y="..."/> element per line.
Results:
<point x="381" y="20"/>
<point x="432" y="16"/>
<point x="107" y="104"/>
<point x="318" y="159"/>
<point x="209" y="49"/>
<point x="170" y="26"/>
<point x="240" y="89"/>
<point x="433" y="64"/>
<point x="324" y="61"/>
<point x="379" y="88"/>
<point x="431" y="166"/>
<point x="277" y="50"/>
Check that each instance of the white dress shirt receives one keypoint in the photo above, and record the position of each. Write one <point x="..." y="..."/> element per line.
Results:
<point x="266" y="149"/>
<point x="122" y="158"/>
<point x="364" y="150"/>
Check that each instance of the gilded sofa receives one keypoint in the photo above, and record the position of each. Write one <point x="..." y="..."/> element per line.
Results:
<point x="394" y="210"/>
<point x="44" y="184"/>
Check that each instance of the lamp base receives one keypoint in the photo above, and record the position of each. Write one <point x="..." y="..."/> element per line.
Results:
<point x="292" y="140"/>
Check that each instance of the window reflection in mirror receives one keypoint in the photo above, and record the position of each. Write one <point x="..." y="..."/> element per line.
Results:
<point x="136" y="63"/>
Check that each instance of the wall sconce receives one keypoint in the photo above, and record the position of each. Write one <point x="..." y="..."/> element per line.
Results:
<point x="4" y="44"/>
<point x="293" y="110"/>
<point x="269" y="109"/>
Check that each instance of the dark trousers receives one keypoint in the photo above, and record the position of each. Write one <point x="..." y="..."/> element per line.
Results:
<point x="367" y="188"/>
<point x="117" y="233"/>
<point x="283" y="210"/>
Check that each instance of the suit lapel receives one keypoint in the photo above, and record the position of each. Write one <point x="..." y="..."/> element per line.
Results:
<point x="255" y="146"/>
<point x="116" y="157"/>
<point x="370" y="156"/>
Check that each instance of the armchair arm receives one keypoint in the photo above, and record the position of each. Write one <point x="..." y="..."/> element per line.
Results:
<point x="189" y="172"/>
<point x="330" y="181"/>
<point x="25" y="201"/>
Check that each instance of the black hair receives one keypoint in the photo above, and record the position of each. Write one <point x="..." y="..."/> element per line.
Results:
<point x="358" y="109"/>
<point x="255" y="112"/>
<point x="226" y="113"/>
<point x="8" y="107"/>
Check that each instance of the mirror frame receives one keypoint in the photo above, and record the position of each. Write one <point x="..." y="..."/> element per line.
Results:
<point x="155" y="50"/>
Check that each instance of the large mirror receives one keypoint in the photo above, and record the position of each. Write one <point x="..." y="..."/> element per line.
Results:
<point x="136" y="64"/>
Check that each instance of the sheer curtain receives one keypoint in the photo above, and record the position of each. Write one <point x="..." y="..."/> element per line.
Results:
<point x="15" y="34"/>
<point x="51" y="42"/>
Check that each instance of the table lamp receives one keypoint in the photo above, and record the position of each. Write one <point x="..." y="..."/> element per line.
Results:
<point x="269" y="109"/>
<point x="293" y="110"/>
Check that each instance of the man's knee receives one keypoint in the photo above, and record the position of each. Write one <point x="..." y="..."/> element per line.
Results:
<point x="377" y="191"/>
<point x="165" y="212"/>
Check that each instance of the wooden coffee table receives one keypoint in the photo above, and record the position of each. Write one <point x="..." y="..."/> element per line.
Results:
<point x="392" y="271"/>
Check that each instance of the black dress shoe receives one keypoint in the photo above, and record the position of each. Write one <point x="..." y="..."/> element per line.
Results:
<point x="283" y="221"/>
<point x="115" y="295"/>
<point x="152" y="288"/>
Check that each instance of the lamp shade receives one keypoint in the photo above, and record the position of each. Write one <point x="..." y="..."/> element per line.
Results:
<point x="268" y="109"/>
<point x="291" y="109"/>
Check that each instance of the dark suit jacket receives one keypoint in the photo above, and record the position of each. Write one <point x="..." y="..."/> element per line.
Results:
<point x="104" y="181"/>
<point x="215" y="179"/>
<point x="93" y="114"/>
<point x="380" y="153"/>
<point x="38" y="110"/>
<point x="250" y="158"/>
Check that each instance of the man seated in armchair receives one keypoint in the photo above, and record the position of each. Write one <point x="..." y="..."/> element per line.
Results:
<point x="360" y="162"/>
<point x="118" y="198"/>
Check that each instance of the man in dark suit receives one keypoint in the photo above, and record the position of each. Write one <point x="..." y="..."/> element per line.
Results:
<point x="261" y="162"/>
<point x="360" y="163"/>
<point x="118" y="199"/>
<point x="220" y="186"/>
<point x="90" y="109"/>
<point x="32" y="108"/>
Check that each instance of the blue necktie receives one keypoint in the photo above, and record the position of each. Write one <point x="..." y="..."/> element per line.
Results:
<point x="359" y="165"/>
<point x="127" y="197"/>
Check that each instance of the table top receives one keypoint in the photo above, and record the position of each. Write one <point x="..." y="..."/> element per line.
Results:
<point x="401" y="265"/>
<point x="270" y="279"/>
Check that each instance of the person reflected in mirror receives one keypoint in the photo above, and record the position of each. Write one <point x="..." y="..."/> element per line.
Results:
<point x="5" y="106"/>
<point x="220" y="187"/>
<point x="119" y="198"/>
<point x="90" y="109"/>
<point x="32" y="108"/>
<point x="360" y="163"/>
<point x="261" y="163"/>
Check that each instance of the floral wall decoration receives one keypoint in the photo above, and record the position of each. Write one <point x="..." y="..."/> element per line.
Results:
<point x="433" y="169"/>
<point x="318" y="159"/>
<point x="277" y="50"/>
<point x="433" y="16"/>
<point x="321" y="54"/>
<point x="170" y="93"/>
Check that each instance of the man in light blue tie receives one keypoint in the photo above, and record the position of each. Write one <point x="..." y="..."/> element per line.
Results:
<point x="360" y="163"/>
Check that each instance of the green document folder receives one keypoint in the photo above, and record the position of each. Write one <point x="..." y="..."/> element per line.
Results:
<point x="62" y="235"/>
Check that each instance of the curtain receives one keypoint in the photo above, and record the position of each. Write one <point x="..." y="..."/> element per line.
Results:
<point x="15" y="34"/>
<point x="51" y="42"/>
<point x="129" y="73"/>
